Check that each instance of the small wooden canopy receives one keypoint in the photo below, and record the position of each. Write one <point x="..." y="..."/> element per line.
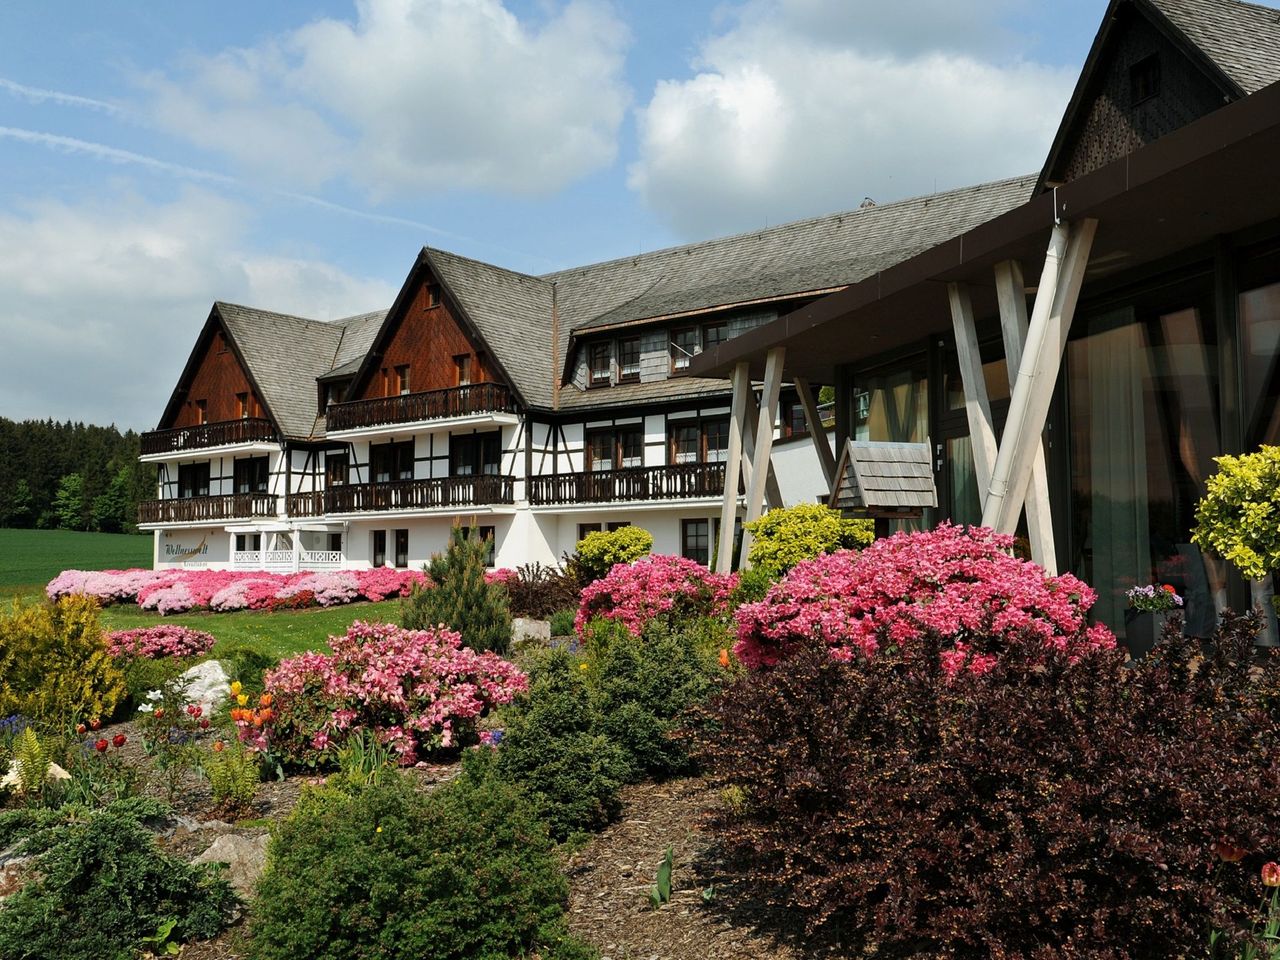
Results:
<point x="893" y="480"/>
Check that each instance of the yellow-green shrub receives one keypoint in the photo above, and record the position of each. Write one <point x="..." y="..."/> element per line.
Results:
<point x="599" y="550"/>
<point x="54" y="664"/>
<point x="1239" y="517"/>
<point x="783" y="537"/>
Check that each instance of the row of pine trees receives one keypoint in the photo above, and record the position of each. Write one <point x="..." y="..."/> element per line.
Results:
<point x="71" y="476"/>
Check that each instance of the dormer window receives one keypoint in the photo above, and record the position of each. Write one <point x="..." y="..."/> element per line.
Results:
<point x="684" y="344"/>
<point x="433" y="295"/>
<point x="598" y="365"/>
<point x="629" y="360"/>
<point x="1144" y="79"/>
<point x="714" y="333"/>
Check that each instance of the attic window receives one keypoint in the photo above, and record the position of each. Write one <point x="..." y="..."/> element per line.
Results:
<point x="433" y="295"/>
<point x="1144" y="79"/>
<point x="598" y="365"/>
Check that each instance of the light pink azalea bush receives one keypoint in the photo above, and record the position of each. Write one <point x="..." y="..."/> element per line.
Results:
<point x="957" y="583"/>
<point x="419" y="691"/>
<point x="159" y="642"/>
<point x="634" y="593"/>
<point x="177" y="591"/>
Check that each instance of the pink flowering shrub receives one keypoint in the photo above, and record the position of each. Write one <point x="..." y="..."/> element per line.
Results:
<point x="959" y="584"/>
<point x="419" y="691"/>
<point x="503" y="575"/>
<point x="380" y="583"/>
<point x="634" y="593"/>
<point x="160" y="642"/>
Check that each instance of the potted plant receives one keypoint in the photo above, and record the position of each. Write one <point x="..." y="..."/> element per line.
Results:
<point x="1150" y="608"/>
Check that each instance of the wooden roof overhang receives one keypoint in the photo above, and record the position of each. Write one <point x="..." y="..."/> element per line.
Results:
<point x="1212" y="178"/>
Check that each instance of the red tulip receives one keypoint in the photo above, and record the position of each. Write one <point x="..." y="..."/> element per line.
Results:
<point x="119" y="740"/>
<point x="159" y="713"/>
<point x="204" y="723"/>
<point x="81" y="728"/>
<point x="95" y="723"/>
<point x="101" y="745"/>
<point x="1228" y="852"/>
<point x="1271" y="874"/>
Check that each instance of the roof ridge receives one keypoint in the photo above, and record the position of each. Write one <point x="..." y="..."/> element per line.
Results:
<point x="485" y="263"/>
<point x="790" y="224"/>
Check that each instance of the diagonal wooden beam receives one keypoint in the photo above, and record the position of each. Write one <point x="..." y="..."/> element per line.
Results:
<point x="977" y="407"/>
<point x="772" y="492"/>
<point x="1012" y="298"/>
<point x="1060" y="283"/>
<point x="771" y="388"/>
<point x="826" y="458"/>
<point x="733" y="466"/>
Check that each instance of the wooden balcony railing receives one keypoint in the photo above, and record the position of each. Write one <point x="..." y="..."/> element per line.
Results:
<point x="231" y="506"/>
<point x="412" y="407"/>
<point x="677" y="481"/>
<point x="405" y="495"/>
<point x="220" y="434"/>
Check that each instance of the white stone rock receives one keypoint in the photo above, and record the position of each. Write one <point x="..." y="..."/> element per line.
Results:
<point x="209" y="684"/>
<point x="245" y="857"/>
<point x="11" y="779"/>
<point x="528" y="630"/>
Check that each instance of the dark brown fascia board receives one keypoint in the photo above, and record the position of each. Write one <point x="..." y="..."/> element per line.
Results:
<point x="212" y="322"/>
<point x="1225" y="126"/>
<point x="1085" y="82"/>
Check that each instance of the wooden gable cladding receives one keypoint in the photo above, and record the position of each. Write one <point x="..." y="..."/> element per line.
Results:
<point x="219" y="381"/>
<point x="429" y="339"/>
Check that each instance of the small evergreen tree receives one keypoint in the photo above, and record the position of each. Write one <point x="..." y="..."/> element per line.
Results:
<point x="68" y="502"/>
<point x="462" y="599"/>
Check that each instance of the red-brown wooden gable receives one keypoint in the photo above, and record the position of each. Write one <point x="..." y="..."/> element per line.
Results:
<point x="217" y="379"/>
<point x="427" y="339"/>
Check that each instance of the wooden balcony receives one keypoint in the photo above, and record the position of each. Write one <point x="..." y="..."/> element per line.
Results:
<point x="470" y="400"/>
<point x="436" y="494"/>
<point x="231" y="506"/>
<point x="221" y="434"/>
<point x="677" y="481"/>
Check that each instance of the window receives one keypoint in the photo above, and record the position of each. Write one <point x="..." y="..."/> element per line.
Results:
<point x="791" y="419"/>
<point x="684" y="344"/>
<point x="598" y="364"/>
<point x="433" y="295"/>
<point x="695" y="540"/>
<point x="617" y="525"/>
<point x="600" y="450"/>
<point x="242" y="406"/>
<point x="202" y="411"/>
<point x="336" y="469"/>
<point x="630" y="447"/>
<point x="694" y="442"/>
<point x="716" y="440"/>
<point x="402" y="379"/>
<point x="629" y="360"/>
<point x="714" y="333"/>
<point x="1144" y="79"/>
<point x="684" y="444"/>
<point x="489" y="536"/>
<point x="391" y="461"/>
<point x="331" y="393"/>
<point x="462" y="368"/>
<point x="402" y="548"/>
<point x="614" y="449"/>
<point x="335" y="542"/>
<point x="379" y="548"/>
<point x="475" y="454"/>
<point x="251" y="475"/>
<point x="248" y="541"/>
<point x="193" y="480"/>
<point x="585" y="528"/>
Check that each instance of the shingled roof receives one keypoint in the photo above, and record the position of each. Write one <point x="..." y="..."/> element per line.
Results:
<point x="1241" y="39"/>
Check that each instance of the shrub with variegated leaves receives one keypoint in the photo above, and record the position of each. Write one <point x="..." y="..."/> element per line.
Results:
<point x="653" y="586"/>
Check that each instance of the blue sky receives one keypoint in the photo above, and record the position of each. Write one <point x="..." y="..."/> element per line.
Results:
<point x="156" y="157"/>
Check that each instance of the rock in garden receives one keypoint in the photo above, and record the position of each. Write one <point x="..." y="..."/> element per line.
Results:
<point x="209" y="684"/>
<point x="11" y="780"/>
<point x="528" y="630"/>
<point x="245" y="858"/>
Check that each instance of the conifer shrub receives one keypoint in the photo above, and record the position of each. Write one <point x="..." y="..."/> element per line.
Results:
<point x="386" y="871"/>
<point x="54" y="663"/>
<point x="786" y="535"/>
<point x="1053" y="806"/>
<point x="99" y="886"/>
<point x="463" y="599"/>
<point x="599" y="551"/>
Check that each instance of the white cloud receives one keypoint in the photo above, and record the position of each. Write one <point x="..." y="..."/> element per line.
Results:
<point x="414" y="97"/>
<point x="101" y="303"/>
<point x="781" y="122"/>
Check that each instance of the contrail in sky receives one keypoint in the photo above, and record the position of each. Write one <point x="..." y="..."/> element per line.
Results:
<point x="40" y="95"/>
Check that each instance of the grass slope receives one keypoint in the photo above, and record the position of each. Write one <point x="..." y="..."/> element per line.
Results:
<point x="31" y="558"/>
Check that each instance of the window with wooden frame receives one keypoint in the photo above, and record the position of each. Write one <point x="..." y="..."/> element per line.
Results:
<point x="715" y="440"/>
<point x="684" y="344"/>
<point x="791" y="422"/>
<point x="202" y="411"/>
<point x="402" y="549"/>
<point x="475" y="455"/>
<point x="248" y="541"/>
<point x="242" y="406"/>
<point x="402" y="379"/>
<point x="616" y="448"/>
<point x="1144" y="79"/>
<point x="684" y="443"/>
<point x="336" y="469"/>
<point x="391" y="461"/>
<point x="251" y="475"/>
<point x="433" y="295"/>
<point x="193" y="480"/>
<point x="489" y="537"/>
<point x="462" y="369"/>
<point x="613" y="525"/>
<point x="631" y="446"/>
<point x="598" y="365"/>
<point x="379" y="548"/>
<point x="695" y="540"/>
<point x="629" y="360"/>
<point x="585" y="528"/>
<point x="715" y="333"/>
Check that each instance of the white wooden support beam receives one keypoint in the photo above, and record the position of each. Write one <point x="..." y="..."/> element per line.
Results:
<point x="826" y="458"/>
<point x="772" y="492"/>
<point x="771" y="388"/>
<point x="1055" y="306"/>
<point x="1012" y="298"/>
<point x="733" y="465"/>
<point x="977" y="408"/>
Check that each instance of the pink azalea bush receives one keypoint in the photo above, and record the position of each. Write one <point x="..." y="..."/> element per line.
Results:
<point x="159" y="642"/>
<point x="634" y="593"/>
<point x="960" y="585"/>
<point x="419" y="691"/>
<point x="177" y="591"/>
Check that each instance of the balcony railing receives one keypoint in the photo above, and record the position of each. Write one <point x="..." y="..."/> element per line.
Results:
<point x="464" y="401"/>
<point x="677" y="481"/>
<point x="220" y="434"/>
<point x="441" y="492"/>
<point x="231" y="506"/>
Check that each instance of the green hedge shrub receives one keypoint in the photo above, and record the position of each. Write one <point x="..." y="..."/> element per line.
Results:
<point x="784" y="536"/>
<point x="600" y="550"/>
<point x="464" y="872"/>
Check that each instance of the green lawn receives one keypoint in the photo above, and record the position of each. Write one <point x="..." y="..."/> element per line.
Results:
<point x="31" y="558"/>
<point x="275" y="634"/>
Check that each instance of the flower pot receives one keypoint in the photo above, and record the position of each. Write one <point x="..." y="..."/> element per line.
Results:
<point x="1142" y="628"/>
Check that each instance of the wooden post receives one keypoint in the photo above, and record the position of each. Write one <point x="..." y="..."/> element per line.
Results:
<point x="826" y="459"/>
<point x="1060" y="284"/>
<point x="1012" y="297"/>
<point x="733" y="465"/>
<point x="764" y="440"/>
<point x="977" y="407"/>
<point x="772" y="492"/>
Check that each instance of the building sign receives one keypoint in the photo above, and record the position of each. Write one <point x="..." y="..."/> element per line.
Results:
<point x="176" y="552"/>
